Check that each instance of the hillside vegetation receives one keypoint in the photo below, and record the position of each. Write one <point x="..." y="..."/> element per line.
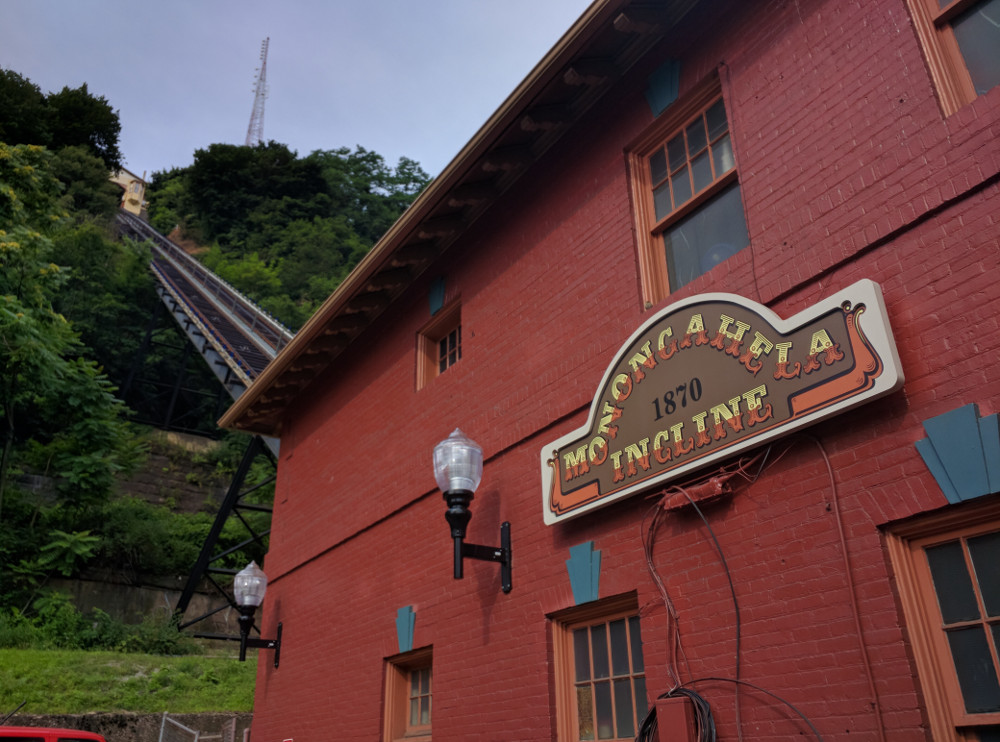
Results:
<point x="75" y="304"/>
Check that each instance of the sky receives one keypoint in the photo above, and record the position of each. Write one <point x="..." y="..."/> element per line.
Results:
<point x="403" y="78"/>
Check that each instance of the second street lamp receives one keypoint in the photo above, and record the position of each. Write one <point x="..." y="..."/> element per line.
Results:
<point x="458" y="469"/>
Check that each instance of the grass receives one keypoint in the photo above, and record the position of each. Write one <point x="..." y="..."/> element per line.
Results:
<point x="73" y="682"/>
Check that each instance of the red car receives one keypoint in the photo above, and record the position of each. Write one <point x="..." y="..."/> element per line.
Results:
<point x="47" y="734"/>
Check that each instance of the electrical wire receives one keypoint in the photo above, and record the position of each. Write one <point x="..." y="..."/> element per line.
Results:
<point x="849" y="575"/>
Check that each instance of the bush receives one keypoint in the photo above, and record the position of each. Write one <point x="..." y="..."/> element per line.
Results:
<point x="59" y="625"/>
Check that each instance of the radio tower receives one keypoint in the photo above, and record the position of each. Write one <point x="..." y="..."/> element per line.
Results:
<point x="255" y="131"/>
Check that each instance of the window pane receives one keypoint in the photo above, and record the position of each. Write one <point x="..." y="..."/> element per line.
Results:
<point x="682" y="187"/>
<point x="605" y="720"/>
<point x="974" y="666"/>
<point x="676" y="152"/>
<point x="985" y="552"/>
<point x="581" y="655"/>
<point x="952" y="583"/>
<point x="414" y="712"/>
<point x="715" y="117"/>
<point x="619" y="648"/>
<point x="640" y="698"/>
<point x="696" y="137"/>
<point x="425" y="710"/>
<point x="661" y="201"/>
<point x="624" y="708"/>
<point x="585" y="711"/>
<point x="701" y="171"/>
<point x="978" y="34"/>
<point x="722" y="152"/>
<point x="704" y="239"/>
<point x="657" y="166"/>
<point x="599" y="644"/>
<point x="635" y="637"/>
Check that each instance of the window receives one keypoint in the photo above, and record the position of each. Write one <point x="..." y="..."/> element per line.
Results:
<point x="439" y="344"/>
<point x="408" y="697"/>
<point x="600" y="678"/>
<point x="961" y="39"/>
<point x="689" y="212"/>
<point x="948" y="572"/>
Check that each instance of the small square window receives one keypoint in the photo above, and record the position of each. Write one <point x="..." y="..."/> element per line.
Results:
<point x="408" y="685"/>
<point x="439" y="344"/>
<point x="600" y="675"/>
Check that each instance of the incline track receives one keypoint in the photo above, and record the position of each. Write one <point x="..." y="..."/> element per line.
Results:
<point x="237" y="338"/>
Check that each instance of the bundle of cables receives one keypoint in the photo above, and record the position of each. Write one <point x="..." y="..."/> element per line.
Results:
<point x="704" y="723"/>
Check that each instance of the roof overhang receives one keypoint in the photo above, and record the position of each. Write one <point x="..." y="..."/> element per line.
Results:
<point x="591" y="56"/>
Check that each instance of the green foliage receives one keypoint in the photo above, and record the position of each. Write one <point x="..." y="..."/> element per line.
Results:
<point x="65" y="682"/>
<point x="57" y="624"/>
<point x="23" y="114"/>
<point x="65" y="552"/>
<point x="72" y="117"/>
<point x="286" y="230"/>
<point x="86" y="187"/>
<point x="169" y="210"/>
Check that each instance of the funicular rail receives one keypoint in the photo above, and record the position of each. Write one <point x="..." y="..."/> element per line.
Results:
<point x="245" y="337"/>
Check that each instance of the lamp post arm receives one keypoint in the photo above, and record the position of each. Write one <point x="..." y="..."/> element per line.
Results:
<point x="501" y="554"/>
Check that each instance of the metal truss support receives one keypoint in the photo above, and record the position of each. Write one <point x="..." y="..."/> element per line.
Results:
<point x="232" y="506"/>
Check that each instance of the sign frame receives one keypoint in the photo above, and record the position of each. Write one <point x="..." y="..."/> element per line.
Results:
<point x="852" y="360"/>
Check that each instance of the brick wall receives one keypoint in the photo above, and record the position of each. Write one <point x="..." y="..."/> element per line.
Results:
<point x="848" y="171"/>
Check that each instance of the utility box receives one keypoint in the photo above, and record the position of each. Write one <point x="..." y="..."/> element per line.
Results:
<point x="675" y="719"/>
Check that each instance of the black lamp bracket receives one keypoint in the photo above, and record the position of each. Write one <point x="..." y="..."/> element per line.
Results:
<point x="246" y="623"/>
<point x="499" y="554"/>
<point x="458" y="516"/>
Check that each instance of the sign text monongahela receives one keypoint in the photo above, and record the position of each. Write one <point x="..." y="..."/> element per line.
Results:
<point x="712" y="375"/>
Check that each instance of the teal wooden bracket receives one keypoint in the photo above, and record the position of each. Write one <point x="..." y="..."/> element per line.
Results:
<point x="584" y="567"/>
<point x="435" y="296"/>
<point x="406" y="618"/>
<point x="664" y="85"/>
<point x="962" y="451"/>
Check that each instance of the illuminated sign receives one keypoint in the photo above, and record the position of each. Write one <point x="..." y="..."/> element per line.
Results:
<point x="713" y="375"/>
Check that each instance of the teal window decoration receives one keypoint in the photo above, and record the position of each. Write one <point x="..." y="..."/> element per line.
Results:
<point x="405" y="621"/>
<point x="436" y="295"/>
<point x="962" y="451"/>
<point x="664" y="85"/>
<point x="584" y="567"/>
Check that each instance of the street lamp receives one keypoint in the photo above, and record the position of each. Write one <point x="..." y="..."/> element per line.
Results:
<point x="458" y="469"/>
<point x="249" y="586"/>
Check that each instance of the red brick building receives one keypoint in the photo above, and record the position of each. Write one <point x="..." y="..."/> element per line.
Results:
<point x="821" y="568"/>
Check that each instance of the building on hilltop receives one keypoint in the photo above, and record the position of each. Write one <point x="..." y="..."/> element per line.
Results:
<point x="133" y="191"/>
<point x="714" y="290"/>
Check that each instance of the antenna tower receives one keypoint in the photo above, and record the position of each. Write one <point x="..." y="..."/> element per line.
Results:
<point x="255" y="131"/>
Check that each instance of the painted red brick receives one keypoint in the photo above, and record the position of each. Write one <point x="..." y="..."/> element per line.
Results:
<point x="848" y="171"/>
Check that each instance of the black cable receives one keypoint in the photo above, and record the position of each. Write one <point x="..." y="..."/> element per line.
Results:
<point x="765" y="692"/>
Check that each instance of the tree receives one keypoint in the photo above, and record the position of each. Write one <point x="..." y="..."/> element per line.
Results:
<point x="55" y="406"/>
<point x="87" y="190"/>
<point x="78" y="118"/>
<point x="72" y="117"/>
<point x="366" y="190"/>
<point x="23" y="113"/>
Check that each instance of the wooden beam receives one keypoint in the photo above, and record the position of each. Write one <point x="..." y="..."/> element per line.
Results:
<point x="391" y="278"/>
<point x="546" y="118"/>
<point x="473" y="194"/>
<point x="593" y="71"/>
<point x="415" y="253"/>
<point x="440" y="227"/>
<point x="508" y="158"/>
<point x="639" y="20"/>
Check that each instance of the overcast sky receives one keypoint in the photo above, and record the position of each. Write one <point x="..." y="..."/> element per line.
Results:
<point x="413" y="78"/>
